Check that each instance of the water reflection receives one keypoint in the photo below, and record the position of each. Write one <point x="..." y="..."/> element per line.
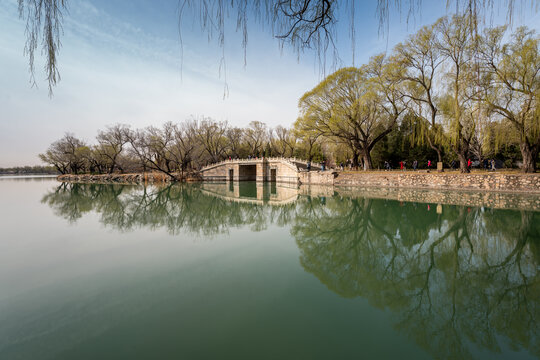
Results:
<point x="458" y="279"/>
<point x="27" y="178"/>
<point x="193" y="208"/>
<point x="464" y="276"/>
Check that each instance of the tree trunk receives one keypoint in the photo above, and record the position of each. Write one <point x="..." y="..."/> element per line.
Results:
<point x="355" y="160"/>
<point x="436" y="148"/>
<point x="366" y="157"/>
<point x="529" y="154"/>
<point x="439" y="154"/>
<point x="310" y="150"/>
<point x="463" y="162"/>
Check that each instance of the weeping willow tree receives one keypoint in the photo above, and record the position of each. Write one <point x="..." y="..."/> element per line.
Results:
<point x="357" y="107"/>
<point x="510" y="86"/>
<point x="300" y="24"/>
<point x="422" y="62"/>
<point x="343" y="108"/>
<point x="455" y="42"/>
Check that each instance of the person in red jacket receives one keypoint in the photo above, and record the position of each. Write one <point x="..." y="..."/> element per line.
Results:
<point x="469" y="162"/>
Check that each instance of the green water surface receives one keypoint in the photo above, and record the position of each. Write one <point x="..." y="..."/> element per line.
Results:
<point x="227" y="271"/>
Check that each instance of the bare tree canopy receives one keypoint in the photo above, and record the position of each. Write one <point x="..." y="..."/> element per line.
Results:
<point x="300" y="24"/>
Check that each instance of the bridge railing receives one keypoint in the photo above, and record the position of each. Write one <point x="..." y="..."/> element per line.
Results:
<point x="291" y="160"/>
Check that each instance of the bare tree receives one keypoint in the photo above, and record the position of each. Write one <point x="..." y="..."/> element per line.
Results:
<point x="283" y="142"/>
<point x="308" y="136"/>
<point x="153" y="145"/>
<point x="256" y="137"/>
<point x="186" y="149"/>
<point x="212" y="136"/>
<point x="235" y="137"/>
<point x="137" y="149"/>
<point x="66" y="154"/>
<point x="111" y="143"/>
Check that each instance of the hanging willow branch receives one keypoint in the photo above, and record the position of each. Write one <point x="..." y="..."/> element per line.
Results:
<point x="43" y="25"/>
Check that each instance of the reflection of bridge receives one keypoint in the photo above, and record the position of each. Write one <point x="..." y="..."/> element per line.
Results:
<point x="253" y="193"/>
<point x="262" y="170"/>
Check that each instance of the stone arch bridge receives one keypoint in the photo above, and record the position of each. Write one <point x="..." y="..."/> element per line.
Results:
<point x="284" y="170"/>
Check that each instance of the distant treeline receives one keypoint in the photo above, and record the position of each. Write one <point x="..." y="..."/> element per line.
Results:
<point x="174" y="149"/>
<point x="29" y="170"/>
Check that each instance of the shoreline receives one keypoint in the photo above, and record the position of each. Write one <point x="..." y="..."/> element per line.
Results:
<point x="497" y="199"/>
<point x="502" y="182"/>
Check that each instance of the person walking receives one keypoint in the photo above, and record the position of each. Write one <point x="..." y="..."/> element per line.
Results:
<point x="469" y="162"/>
<point x="309" y="165"/>
<point x="415" y="165"/>
<point x="493" y="164"/>
<point x="401" y="165"/>
<point x="429" y="164"/>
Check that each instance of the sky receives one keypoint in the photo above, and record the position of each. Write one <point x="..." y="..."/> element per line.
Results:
<point x="123" y="62"/>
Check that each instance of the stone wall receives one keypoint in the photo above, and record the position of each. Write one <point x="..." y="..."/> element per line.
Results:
<point x="219" y="173"/>
<point x="286" y="173"/>
<point x="455" y="181"/>
<point x="317" y="177"/>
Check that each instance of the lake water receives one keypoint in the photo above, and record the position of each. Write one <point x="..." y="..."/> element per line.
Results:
<point x="217" y="271"/>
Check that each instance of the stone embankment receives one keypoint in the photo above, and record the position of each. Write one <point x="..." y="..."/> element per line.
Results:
<point x="504" y="182"/>
<point x="150" y="178"/>
<point x="500" y="182"/>
<point x="490" y="199"/>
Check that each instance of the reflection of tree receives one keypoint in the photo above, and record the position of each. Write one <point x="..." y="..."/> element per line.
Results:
<point x="457" y="279"/>
<point x="464" y="276"/>
<point x="174" y="207"/>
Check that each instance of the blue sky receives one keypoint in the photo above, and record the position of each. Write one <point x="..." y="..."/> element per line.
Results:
<point x="121" y="62"/>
